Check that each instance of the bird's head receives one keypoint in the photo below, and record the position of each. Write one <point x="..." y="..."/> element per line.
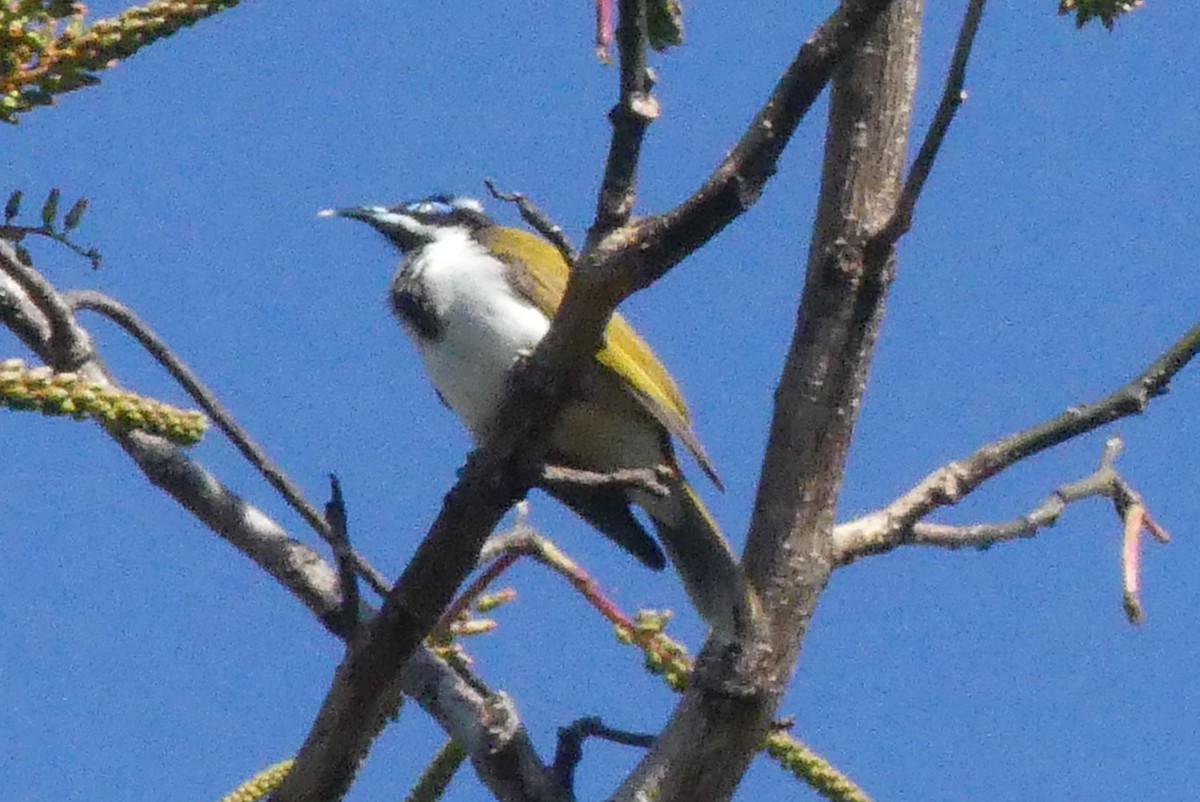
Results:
<point x="413" y="224"/>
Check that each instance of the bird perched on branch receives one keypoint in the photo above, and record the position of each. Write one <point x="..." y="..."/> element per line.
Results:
<point x="474" y="296"/>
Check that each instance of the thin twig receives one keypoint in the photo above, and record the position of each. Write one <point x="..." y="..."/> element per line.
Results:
<point x="1104" y="481"/>
<point x="436" y="777"/>
<point x="569" y="752"/>
<point x="604" y="30"/>
<point x="649" y="480"/>
<point x="1131" y="548"/>
<point x="343" y="555"/>
<point x="195" y="488"/>
<point x="895" y="524"/>
<point x="69" y="345"/>
<point x="634" y="256"/>
<point x="459" y="607"/>
<point x="528" y="542"/>
<point x="254" y="453"/>
<point x="953" y="96"/>
<point x="636" y="108"/>
<point x="535" y="216"/>
<point x="16" y="233"/>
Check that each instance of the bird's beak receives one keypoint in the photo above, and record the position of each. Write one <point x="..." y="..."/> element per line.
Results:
<point x="400" y="229"/>
<point x="363" y="213"/>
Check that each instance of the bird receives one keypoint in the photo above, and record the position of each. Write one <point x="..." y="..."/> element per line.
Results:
<point x="475" y="296"/>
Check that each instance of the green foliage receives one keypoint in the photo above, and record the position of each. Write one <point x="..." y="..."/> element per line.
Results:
<point x="664" y="23"/>
<point x="261" y="784"/>
<point x="664" y="656"/>
<point x="1106" y="11"/>
<point x="42" y="390"/>
<point x="434" y="781"/>
<point x="50" y="209"/>
<point x="48" y="226"/>
<point x="46" y="49"/>
<point x="13" y="206"/>
<point x="71" y="220"/>
<point x="821" y="775"/>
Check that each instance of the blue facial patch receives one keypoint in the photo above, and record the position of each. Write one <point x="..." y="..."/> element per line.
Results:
<point x="430" y="206"/>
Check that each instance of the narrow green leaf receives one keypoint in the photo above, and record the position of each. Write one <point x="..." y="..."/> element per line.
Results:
<point x="76" y="212"/>
<point x="50" y="208"/>
<point x="13" y="206"/>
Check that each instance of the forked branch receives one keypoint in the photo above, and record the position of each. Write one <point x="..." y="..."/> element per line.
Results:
<point x="245" y="443"/>
<point x="900" y="522"/>
<point x="953" y="95"/>
<point x="501" y="472"/>
<point x="39" y="315"/>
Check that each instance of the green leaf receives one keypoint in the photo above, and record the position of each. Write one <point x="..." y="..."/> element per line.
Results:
<point x="13" y="206"/>
<point x="1107" y="11"/>
<point x="76" y="212"/>
<point x="50" y="208"/>
<point x="664" y="23"/>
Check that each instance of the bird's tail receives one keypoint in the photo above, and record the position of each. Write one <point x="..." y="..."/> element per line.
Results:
<point x="711" y="574"/>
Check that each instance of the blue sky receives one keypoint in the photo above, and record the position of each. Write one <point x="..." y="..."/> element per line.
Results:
<point x="1053" y="257"/>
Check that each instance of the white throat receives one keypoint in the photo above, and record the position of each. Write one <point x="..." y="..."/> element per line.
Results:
<point x="484" y="324"/>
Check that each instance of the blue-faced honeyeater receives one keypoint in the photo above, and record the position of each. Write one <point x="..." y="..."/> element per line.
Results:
<point x="475" y="296"/>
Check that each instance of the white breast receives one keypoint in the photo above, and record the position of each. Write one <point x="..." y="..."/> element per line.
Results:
<point x="485" y="325"/>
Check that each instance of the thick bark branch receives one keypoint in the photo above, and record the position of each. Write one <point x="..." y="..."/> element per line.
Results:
<point x="501" y="472"/>
<point x="720" y="723"/>
<point x="634" y="256"/>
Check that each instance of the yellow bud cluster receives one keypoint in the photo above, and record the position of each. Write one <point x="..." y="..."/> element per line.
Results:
<point x="37" y="62"/>
<point x="664" y="656"/>
<point x="42" y="390"/>
<point x="472" y="626"/>
<point x="821" y="775"/>
<point x="490" y="601"/>
<point x="261" y="784"/>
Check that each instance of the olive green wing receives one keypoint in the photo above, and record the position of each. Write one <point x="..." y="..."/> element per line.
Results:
<point x="624" y="352"/>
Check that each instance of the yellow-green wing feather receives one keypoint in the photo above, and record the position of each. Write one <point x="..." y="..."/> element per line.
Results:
<point x="624" y="351"/>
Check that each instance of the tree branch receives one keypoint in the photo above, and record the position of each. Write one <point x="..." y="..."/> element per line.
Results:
<point x="569" y="751"/>
<point x="953" y="96"/>
<point x="632" y="257"/>
<point x="647" y="480"/>
<point x="1104" y="481"/>
<point x="503" y="757"/>
<point x="636" y="108"/>
<point x="893" y="525"/>
<point x="500" y="473"/>
<point x="728" y="708"/>
<point x="503" y="469"/>
<point x="254" y="453"/>
<point x="541" y="222"/>
<point x="343" y="557"/>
